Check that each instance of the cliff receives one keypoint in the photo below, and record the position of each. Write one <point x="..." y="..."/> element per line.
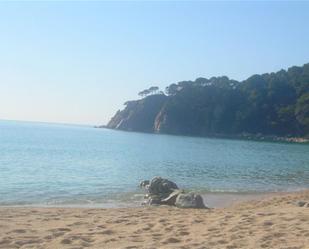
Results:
<point x="138" y="115"/>
<point x="275" y="104"/>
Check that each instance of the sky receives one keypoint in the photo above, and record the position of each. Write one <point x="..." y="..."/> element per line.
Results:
<point x="78" y="62"/>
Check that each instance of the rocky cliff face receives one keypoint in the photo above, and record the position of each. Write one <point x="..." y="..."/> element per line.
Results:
<point x="275" y="104"/>
<point x="139" y="115"/>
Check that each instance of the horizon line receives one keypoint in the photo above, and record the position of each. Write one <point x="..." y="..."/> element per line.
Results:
<point x="45" y="122"/>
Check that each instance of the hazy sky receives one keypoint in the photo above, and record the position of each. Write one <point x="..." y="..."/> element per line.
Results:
<point x="78" y="62"/>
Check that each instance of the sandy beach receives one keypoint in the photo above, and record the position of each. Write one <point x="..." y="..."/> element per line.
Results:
<point x="273" y="222"/>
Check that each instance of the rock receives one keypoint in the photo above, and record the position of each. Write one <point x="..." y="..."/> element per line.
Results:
<point x="144" y="184"/>
<point x="154" y="200"/>
<point x="144" y="203"/>
<point x="165" y="192"/>
<point x="138" y="115"/>
<point x="190" y="200"/>
<point x="162" y="187"/>
<point x="171" y="199"/>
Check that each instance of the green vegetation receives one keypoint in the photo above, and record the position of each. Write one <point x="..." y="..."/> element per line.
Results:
<point x="150" y="90"/>
<point x="268" y="104"/>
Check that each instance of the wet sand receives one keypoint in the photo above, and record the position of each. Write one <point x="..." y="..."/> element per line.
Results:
<point x="270" y="222"/>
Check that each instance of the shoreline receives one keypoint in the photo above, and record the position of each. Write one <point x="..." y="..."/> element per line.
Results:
<point x="273" y="222"/>
<point x="242" y="136"/>
<point x="211" y="199"/>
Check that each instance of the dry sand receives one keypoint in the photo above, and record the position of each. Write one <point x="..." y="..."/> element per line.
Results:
<point x="274" y="222"/>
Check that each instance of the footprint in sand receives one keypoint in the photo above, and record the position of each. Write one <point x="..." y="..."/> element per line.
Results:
<point x="5" y="242"/>
<point x="146" y="228"/>
<point x="268" y="223"/>
<point x="222" y="241"/>
<point x="183" y="233"/>
<point x="48" y="237"/>
<point x="21" y="243"/>
<point x="110" y="240"/>
<point x="63" y="229"/>
<point x="58" y="234"/>
<point x="197" y="221"/>
<point x="101" y="226"/>
<point x="85" y="244"/>
<point x="171" y="240"/>
<point x="78" y="223"/>
<point x="66" y="241"/>
<point x="137" y="240"/>
<point x="156" y="236"/>
<point x="18" y="231"/>
<point x="121" y="220"/>
<point x="231" y="246"/>
<point x="107" y="232"/>
<point x="87" y="239"/>
<point x="169" y="228"/>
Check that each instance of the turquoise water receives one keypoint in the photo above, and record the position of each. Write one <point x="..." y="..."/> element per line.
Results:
<point x="48" y="164"/>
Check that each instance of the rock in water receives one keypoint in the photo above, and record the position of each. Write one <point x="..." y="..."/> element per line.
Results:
<point x="144" y="184"/>
<point x="154" y="200"/>
<point x="165" y="192"/>
<point x="171" y="199"/>
<point x="190" y="200"/>
<point x="161" y="187"/>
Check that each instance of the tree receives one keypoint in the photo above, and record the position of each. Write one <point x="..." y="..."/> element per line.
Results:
<point x="141" y="93"/>
<point x="171" y="89"/>
<point x="153" y="89"/>
<point x="302" y="111"/>
<point x="144" y="93"/>
<point x="150" y="90"/>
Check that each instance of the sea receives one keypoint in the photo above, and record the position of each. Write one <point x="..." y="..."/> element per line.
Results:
<point x="45" y="164"/>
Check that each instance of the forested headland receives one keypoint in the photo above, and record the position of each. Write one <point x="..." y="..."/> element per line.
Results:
<point x="270" y="104"/>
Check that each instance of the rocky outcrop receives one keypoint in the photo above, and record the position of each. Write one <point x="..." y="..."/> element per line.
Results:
<point x="161" y="187"/>
<point x="138" y="115"/>
<point x="165" y="192"/>
<point x="160" y="121"/>
<point x="171" y="199"/>
<point x="267" y="107"/>
<point x="190" y="200"/>
<point x="144" y="184"/>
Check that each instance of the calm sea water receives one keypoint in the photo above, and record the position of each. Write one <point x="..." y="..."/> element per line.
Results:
<point x="48" y="164"/>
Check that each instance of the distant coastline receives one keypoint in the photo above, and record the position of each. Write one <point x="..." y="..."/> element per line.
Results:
<point x="268" y="107"/>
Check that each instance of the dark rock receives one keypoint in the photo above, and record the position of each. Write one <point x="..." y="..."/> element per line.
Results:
<point x="154" y="200"/>
<point x="161" y="187"/>
<point x="171" y="199"/>
<point x="144" y="203"/>
<point x="144" y="184"/>
<point x="138" y="115"/>
<point x="190" y="200"/>
<point x="165" y="192"/>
